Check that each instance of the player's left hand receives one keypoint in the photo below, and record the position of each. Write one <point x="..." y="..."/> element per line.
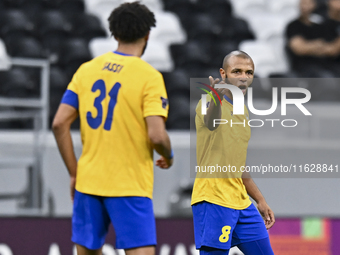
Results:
<point x="267" y="214"/>
<point x="164" y="163"/>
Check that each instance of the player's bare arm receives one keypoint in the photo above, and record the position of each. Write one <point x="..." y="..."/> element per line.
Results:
<point x="214" y="111"/>
<point x="61" y="126"/>
<point x="332" y="48"/>
<point x="303" y="47"/>
<point x="254" y="192"/>
<point x="160" y="140"/>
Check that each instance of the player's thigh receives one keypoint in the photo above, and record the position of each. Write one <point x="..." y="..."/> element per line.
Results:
<point x="90" y="221"/>
<point x="81" y="250"/>
<point x="213" y="225"/>
<point x="250" y="227"/>
<point x="133" y="221"/>
<point x="148" y="250"/>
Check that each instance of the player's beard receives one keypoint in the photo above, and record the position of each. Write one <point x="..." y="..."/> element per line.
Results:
<point x="146" y="43"/>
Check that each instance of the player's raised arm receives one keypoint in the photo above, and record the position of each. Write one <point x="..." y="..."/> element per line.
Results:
<point x="160" y="140"/>
<point x="213" y="111"/>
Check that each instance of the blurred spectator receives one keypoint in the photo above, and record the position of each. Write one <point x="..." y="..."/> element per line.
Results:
<point x="310" y="48"/>
<point x="333" y="21"/>
<point x="331" y="26"/>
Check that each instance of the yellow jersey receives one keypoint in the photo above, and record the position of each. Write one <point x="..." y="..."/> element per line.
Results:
<point x="220" y="155"/>
<point x="113" y="94"/>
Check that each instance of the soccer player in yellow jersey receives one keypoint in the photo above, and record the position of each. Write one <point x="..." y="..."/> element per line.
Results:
<point x="223" y="213"/>
<point x="122" y="105"/>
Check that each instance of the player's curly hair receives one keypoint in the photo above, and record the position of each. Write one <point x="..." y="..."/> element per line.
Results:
<point x="131" y="21"/>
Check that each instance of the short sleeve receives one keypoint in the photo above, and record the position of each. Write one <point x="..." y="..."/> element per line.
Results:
<point x="70" y="96"/>
<point x="292" y="30"/>
<point x="155" y="99"/>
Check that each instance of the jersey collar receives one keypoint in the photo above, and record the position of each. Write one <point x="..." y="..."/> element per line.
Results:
<point x="228" y="99"/>
<point x="121" y="53"/>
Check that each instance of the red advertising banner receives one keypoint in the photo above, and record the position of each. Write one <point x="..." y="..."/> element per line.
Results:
<point x="51" y="236"/>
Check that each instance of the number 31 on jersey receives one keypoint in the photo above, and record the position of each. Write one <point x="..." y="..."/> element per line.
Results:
<point x="95" y="122"/>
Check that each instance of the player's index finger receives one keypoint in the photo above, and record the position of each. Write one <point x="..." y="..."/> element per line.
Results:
<point x="211" y="79"/>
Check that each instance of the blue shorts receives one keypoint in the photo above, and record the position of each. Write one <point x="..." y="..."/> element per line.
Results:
<point x="132" y="219"/>
<point x="221" y="227"/>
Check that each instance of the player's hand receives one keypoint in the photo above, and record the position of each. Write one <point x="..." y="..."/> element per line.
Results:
<point x="164" y="163"/>
<point x="72" y="187"/>
<point x="267" y="214"/>
<point x="221" y="92"/>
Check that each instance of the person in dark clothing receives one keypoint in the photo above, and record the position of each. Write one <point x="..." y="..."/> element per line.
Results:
<point x="310" y="48"/>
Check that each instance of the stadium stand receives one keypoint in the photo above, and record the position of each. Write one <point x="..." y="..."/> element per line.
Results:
<point x="86" y="26"/>
<point x="287" y="8"/>
<point x="14" y="24"/>
<point x="263" y="55"/>
<point x="247" y="8"/>
<point x="158" y="55"/>
<point x="99" y="46"/>
<point x="69" y="32"/>
<point x="153" y="5"/>
<point x="72" y="54"/>
<point x="5" y="63"/>
<point x="168" y="30"/>
<point x="259" y="24"/>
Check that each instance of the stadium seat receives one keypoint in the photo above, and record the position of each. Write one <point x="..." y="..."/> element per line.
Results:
<point x="179" y="112"/>
<point x="53" y="30"/>
<point x="168" y="29"/>
<point x="173" y="4"/>
<point x="202" y="26"/>
<point x="2" y="4"/>
<point x="86" y="26"/>
<point x="236" y="29"/>
<point x="182" y="9"/>
<point x="32" y="8"/>
<point x="178" y="80"/>
<point x="102" y="9"/>
<point x="153" y="5"/>
<point x="221" y="49"/>
<point x="158" y="55"/>
<point x="27" y="47"/>
<point x="267" y="26"/>
<point x="99" y="46"/>
<point x="219" y="9"/>
<point x="63" y="5"/>
<point x="73" y="53"/>
<point x="14" y="24"/>
<point x="58" y="85"/>
<point x="287" y="8"/>
<point x="180" y="201"/>
<point x="5" y="62"/>
<point x="53" y="21"/>
<point x="58" y="79"/>
<point x="214" y="72"/>
<point x="278" y="44"/>
<point x="12" y="3"/>
<point x="72" y="6"/>
<point x="17" y="82"/>
<point x="246" y="8"/>
<point x="91" y="5"/>
<point x="263" y="56"/>
<point x="191" y="55"/>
